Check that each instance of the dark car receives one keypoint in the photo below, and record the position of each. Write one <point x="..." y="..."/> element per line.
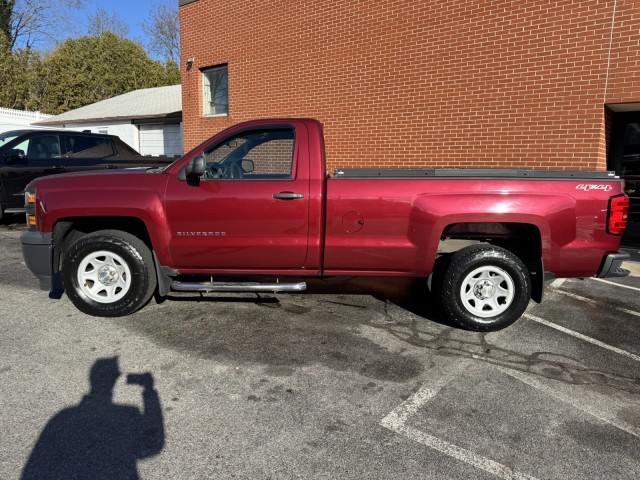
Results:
<point x="27" y="154"/>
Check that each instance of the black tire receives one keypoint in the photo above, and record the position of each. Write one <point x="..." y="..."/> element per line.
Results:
<point x="485" y="288"/>
<point x="109" y="273"/>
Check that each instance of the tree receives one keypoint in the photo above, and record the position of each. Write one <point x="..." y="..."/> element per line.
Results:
<point x="163" y="28"/>
<point x="29" y="23"/>
<point x="6" y="11"/>
<point x="102" y="21"/>
<point x="172" y="75"/>
<point x="19" y="77"/>
<point x="90" y="69"/>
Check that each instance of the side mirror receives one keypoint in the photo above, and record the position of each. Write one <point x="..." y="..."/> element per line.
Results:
<point x="14" y="155"/>
<point x="195" y="167"/>
<point x="248" y="166"/>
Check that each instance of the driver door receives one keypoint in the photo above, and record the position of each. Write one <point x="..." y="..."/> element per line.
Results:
<point x="250" y="209"/>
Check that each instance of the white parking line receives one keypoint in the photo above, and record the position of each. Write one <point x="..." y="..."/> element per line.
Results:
<point x="397" y="419"/>
<point x="616" y="284"/>
<point x="595" y="302"/>
<point x="631" y="312"/>
<point x="578" y="297"/>
<point x="582" y="337"/>
<point x="579" y="403"/>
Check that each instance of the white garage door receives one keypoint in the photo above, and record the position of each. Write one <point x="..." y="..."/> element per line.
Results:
<point x="160" y="140"/>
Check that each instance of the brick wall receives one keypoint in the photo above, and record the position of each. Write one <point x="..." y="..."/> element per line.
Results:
<point x="422" y="83"/>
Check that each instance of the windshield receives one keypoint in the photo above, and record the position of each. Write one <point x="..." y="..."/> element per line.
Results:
<point x="7" y="137"/>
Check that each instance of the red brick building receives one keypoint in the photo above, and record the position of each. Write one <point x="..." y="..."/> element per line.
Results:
<point x="422" y="83"/>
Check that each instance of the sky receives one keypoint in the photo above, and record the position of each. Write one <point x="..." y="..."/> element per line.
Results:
<point x="63" y="19"/>
<point x="132" y="12"/>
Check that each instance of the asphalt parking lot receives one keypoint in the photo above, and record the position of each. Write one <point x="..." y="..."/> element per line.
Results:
<point x="356" y="379"/>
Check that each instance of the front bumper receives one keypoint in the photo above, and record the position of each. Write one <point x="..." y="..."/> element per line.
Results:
<point x="612" y="266"/>
<point x="37" y="251"/>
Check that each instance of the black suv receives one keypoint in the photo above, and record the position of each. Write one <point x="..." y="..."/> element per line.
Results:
<point x="27" y="154"/>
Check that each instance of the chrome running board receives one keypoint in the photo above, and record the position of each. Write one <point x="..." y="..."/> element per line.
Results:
<point x="237" y="287"/>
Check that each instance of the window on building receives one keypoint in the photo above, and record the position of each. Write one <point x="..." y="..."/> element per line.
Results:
<point x="215" y="93"/>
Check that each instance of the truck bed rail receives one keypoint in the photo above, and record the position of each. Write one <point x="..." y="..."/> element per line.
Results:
<point x="399" y="173"/>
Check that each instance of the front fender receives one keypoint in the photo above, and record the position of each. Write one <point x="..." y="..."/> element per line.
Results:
<point x="65" y="200"/>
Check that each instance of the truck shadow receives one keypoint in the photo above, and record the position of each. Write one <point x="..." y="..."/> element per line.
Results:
<point x="358" y="326"/>
<point x="410" y="294"/>
<point x="334" y="323"/>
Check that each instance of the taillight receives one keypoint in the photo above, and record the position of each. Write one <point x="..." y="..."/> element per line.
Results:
<point x="618" y="210"/>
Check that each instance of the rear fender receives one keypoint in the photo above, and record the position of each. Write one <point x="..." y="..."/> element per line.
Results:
<point x="434" y="215"/>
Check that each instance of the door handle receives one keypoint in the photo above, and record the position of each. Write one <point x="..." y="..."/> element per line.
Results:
<point x="287" y="196"/>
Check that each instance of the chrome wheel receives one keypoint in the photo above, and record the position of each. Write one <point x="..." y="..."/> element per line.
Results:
<point x="104" y="276"/>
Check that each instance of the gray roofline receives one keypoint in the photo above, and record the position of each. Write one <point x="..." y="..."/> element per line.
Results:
<point x="53" y="121"/>
<point x="147" y="103"/>
<point x="184" y="2"/>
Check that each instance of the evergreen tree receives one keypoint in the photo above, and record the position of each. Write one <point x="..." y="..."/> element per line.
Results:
<point x="89" y="69"/>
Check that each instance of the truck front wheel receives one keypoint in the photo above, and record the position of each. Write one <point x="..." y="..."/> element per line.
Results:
<point x="108" y="273"/>
<point x="485" y="288"/>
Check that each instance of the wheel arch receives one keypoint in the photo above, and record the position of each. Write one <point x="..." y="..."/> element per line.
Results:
<point x="522" y="239"/>
<point x="66" y="231"/>
<point x="108" y="272"/>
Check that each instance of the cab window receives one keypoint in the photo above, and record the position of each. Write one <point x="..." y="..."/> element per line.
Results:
<point x="253" y="155"/>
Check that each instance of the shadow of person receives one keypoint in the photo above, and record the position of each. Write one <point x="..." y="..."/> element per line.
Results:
<point x="98" y="439"/>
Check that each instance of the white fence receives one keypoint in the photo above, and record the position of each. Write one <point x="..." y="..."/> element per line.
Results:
<point x="11" y="119"/>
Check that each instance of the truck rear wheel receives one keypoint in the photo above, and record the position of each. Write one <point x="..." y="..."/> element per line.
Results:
<point x="108" y="273"/>
<point x="485" y="288"/>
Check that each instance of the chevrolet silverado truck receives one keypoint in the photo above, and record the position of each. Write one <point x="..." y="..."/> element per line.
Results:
<point x="255" y="201"/>
<point x="28" y="154"/>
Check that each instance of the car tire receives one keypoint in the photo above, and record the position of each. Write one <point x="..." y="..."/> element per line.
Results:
<point x="485" y="288"/>
<point x="109" y="273"/>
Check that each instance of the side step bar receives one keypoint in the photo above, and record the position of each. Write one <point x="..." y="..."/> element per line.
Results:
<point x="237" y="287"/>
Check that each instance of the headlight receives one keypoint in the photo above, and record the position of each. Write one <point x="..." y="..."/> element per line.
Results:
<point x="30" y="207"/>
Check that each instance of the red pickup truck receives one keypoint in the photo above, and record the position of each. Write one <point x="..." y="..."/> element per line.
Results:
<point x="255" y="200"/>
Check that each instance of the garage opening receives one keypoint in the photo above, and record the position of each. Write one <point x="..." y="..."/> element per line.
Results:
<point x="163" y="140"/>
<point x="624" y="159"/>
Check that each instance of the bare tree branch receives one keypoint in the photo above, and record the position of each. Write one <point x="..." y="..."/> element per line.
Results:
<point x="33" y="22"/>
<point x="163" y="29"/>
<point x="102" y="21"/>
